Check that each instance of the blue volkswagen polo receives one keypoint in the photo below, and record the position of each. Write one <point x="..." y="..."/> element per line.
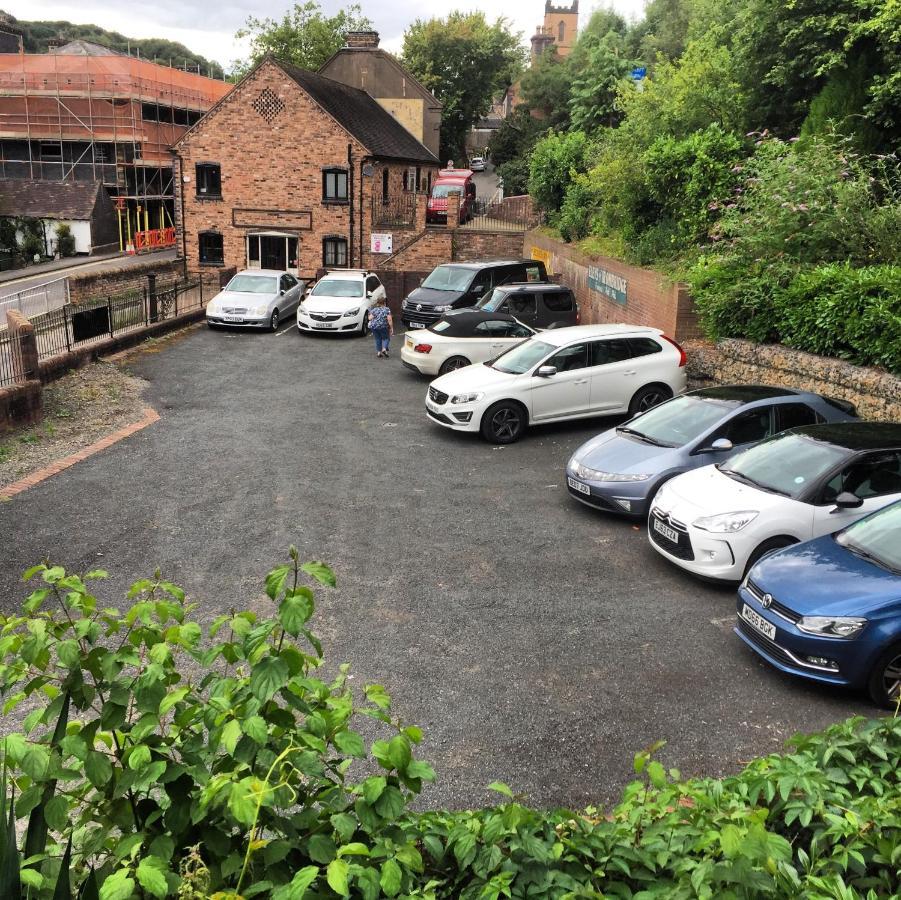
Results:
<point x="830" y="609"/>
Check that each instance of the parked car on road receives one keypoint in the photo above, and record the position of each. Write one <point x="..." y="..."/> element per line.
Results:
<point x="340" y="301"/>
<point x="830" y="609"/>
<point x="461" y="339"/>
<point x="539" y="306"/>
<point x="255" y="298"/>
<point x="477" y="164"/>
<point x="622" y="469"/>
<point x="719" y="520"/>
<point x="462" y="285"/>
<point x="564" y="373"/>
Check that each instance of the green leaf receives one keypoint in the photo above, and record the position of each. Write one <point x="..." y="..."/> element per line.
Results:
<point x="731" y="840"/>
<point x="269" y="675"/>
<point x="500" y="788"/>
<point x="321" y="849"/>
<point x="255" y="728"/>
<point x="349" y="742"/>
<point x="391" y="804"/>
<point x="172" y="698"/>
<point x="391" y="878"/>
<point x="242" y="801"/>
<point x="31" y="878"/>
<point x="98" y="769"/>
<point x="56" y="813"/>
<point x="354" y="849"/>
<point x="298" y="885"/>
<point x="275" y="581"/>
<point x="420" y="769"/>
<point x="399" y="753"/>
<point x="657" y="774"/>
<point x="35" y="763"/>
<point x="321" y="572"/>
<point x="230" y="735"/>
<point x="119" y="886"/>
<point x="68" y="653"/>
<point x="373" y="787"/>
<point x="336" y="875"/>
<point x="151" y="876"/>
<point x="295" y="611"/>
<point x="139" y="757"/>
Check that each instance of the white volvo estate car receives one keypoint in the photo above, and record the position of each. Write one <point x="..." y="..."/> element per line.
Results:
<point x="564" y="373"/>
<point x="719" y="520"/>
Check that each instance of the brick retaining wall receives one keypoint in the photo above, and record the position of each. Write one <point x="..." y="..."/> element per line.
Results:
<point x="609" y="290"/>
<point x="110" y="282"/>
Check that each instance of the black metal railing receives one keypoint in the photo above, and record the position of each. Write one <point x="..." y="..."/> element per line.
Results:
<point x="12" y="365"/>
<point x="509" y="214"/>
<point x="396" y="210"/>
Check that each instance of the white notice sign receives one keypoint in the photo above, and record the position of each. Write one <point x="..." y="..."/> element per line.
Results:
<point x="380" y="243"/>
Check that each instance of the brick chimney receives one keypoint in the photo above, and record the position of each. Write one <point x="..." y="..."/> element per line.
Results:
<point x="362" y="40"/>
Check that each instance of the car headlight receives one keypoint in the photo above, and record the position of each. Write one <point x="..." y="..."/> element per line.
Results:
<point x="443" y="308"/>
<point x="726" y="523"/>
<point x="597" y="475"/>
<point x="466" y="398"/>
<point x="405" y="304"/>
<point x="260" y="310"/>
<point x="832" y="626"/>
<point x="303" y="309"/>
<point x="352" y="312"/>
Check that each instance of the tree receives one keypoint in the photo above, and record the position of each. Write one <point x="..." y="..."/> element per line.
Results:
<point x="595" y="86"/>
<point x="465" y="62"/>
<point x="304" y="36"/>
<point x="555" y="160"/>
<point x="516" y="136"/>
<point x="546" y="88"/>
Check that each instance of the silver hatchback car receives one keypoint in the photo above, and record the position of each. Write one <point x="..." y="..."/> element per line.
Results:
<point x="256" y="298"/>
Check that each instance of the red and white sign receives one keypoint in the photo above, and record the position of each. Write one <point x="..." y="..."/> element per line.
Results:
<point x="381" y="243"/>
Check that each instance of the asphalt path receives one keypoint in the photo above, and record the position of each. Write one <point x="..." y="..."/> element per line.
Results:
<point x="534" y="640"/>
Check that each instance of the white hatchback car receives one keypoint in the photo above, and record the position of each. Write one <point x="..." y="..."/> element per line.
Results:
<point x="340" y="301"/>
<point x="461" y="339"/>
<point x="564" y="373"/>
<point x="719" y="520"/>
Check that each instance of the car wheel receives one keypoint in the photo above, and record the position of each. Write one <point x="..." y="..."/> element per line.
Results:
<point x="364" y="325"/>
<point x="884" y="686"/>
<point x="649" y="396"/>
<point x="273" y="322"/>
<point x="767" y="547"/>
<point x="452" y="363"/>
<point x="503" y="423"/>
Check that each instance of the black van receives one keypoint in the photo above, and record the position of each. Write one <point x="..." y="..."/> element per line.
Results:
<point x="458" y="285"/>
<point x="536" y="305"/>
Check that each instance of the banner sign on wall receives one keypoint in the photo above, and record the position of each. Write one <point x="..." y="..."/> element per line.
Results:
<point x="544" y="256"/>
<point x="381" y="243"/>
<point x="607" y="283"/>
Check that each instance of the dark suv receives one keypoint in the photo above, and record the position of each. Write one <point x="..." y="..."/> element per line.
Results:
<point x="459" y="285"/>
<point x="536" y="305"/>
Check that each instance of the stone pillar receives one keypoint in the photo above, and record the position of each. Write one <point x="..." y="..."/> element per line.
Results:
<point x="422" y="202"/>
<point x="24" y="346"/>
<point x="453" y="209"/>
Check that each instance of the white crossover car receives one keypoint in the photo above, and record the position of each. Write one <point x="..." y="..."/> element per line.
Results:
<point x="461" y="339"/>
<point x="719" y="520"/>
<point x="564" y="373"/>
<point x="340" y="301"/>
<point x="255" y="298"/>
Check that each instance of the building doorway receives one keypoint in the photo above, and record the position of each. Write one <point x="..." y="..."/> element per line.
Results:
<point x="272" y="251"/>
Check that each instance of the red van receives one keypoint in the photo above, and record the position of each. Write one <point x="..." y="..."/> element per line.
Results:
<point x="451" y="180"/>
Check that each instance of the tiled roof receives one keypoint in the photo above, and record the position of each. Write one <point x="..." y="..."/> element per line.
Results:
<point x="355" y="110"/>
<point x="48" y="199"/>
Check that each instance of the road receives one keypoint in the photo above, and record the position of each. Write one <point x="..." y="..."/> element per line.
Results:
<point x="486" y="182"/>
<point x="535" y="641"/>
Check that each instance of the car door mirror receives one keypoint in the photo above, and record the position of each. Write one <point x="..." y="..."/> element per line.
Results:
<point x="546" y="371"/>
<point x="847" y="500"/>
<point x="281" y="292"/>
<point x="721" y="444"/>
<point x="368" y="295"/>
<point x="477" y="288"/>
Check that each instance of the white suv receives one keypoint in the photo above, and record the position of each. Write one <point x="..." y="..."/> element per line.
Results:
<point x="563" y="373"/>
<point x="340" y="301"/>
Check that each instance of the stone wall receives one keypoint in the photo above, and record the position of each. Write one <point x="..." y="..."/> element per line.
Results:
<point x="609" y="290"/>
<point x="875" y="393"/>
<point x="475" y="245"/>
<point x="111" y="282"/>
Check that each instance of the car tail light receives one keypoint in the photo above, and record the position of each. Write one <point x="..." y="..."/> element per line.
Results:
<point x="681" y="351"/>
<point x="422" y="348"/>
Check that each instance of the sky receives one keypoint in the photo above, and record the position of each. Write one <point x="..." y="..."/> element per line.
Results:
<point x="208" y="28"/>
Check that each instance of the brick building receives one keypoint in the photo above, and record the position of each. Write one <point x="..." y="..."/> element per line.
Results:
<point x="293" y="170"/>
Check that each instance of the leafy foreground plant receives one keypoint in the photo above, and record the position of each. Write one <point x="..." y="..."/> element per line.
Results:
<point x="162" y="761"/>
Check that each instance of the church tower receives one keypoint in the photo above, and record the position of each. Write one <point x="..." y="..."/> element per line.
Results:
<point x="561" y="23"/>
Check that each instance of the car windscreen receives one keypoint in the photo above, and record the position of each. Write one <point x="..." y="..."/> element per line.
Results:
<point x="493" y="302"/>
<point x="449" y="278"/>
<point x="442" y="190"/>
<point x="253" y="284"/>
<point x="786" y="464"/>
<point x="522" y="357"/>
<point x="337" y="287"/>
<point x="876" y="537"/>
<point x="678" y="421"/>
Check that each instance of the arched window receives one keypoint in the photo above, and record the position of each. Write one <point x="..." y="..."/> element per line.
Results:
<point x="561" y="32"/>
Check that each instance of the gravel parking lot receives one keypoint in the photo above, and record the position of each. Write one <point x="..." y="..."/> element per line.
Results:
<point x="535" y="641"/>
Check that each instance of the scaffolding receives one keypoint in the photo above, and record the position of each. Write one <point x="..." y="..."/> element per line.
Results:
<point x="108" y="118"/>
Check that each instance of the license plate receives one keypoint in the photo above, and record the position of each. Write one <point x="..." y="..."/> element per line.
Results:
<point x="432" y="407"/>
<point x="669" y="533"/>
<point x="578" y="486"/>
<point x="322" y="324"/>
<point x="757" y="621"/>
<point x="417" y="325"/>
<point x="232" y="319"/>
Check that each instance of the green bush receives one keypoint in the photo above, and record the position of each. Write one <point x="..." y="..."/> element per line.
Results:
<point x="555" y="160"/>
<point x="159" y="758"/>
<point x="65" y="240"/>
<point x="515" y="174"/>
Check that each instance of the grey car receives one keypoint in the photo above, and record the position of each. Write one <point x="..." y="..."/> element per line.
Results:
<point x="622" y="469"/>
<point x="256" y="298"/>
